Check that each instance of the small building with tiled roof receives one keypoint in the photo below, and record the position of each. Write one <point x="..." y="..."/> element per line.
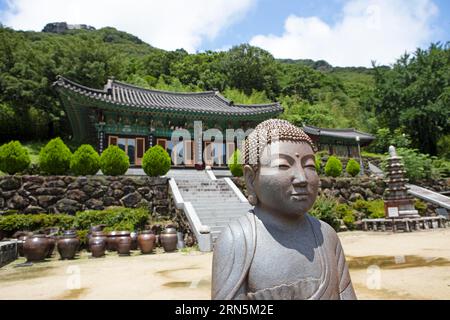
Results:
<point x="136" y="118"/>
<point x="341" y="142"/>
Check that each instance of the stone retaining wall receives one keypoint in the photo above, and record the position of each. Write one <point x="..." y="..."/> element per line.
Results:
<point x="351" y="189"/>
<point x="68" y="194"/>
<point x="8" y="252"/>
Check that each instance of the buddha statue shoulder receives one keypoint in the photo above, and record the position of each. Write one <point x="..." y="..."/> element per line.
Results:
<point x="277" y="250"/>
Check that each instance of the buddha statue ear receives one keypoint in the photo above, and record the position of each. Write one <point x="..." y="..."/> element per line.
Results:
<point x="249" y="177"/>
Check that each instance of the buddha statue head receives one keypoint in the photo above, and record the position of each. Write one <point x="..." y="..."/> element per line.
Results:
<point x="279" y="169"/>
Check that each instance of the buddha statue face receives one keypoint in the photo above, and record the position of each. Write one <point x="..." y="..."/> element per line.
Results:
<point x="286" y="181"/>
<point x="283" y="180"/>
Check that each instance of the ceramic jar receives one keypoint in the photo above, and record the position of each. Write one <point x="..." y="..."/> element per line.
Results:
<point x="146" y="241"/>
<point x="21" y="241"/>
<point x="134" y="242"/>
<point x="51" y="245"/>
<point x="36" y="247"/>
<point x="111" y="241"/>
<point x="68" y="245"/>
<point x="97" y="244"/>
<point x="169" y="239"/>
<point x="123" y="243"/>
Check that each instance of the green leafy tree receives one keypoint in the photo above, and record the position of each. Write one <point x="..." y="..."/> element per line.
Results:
<point x="250" y="68"/>
<point x="54" y="157"/>
<point x="13" y="158"/>
<point x="114" y="161"/>
<point x="156" y="161"/>
<point x="415" y="94"/>
<point x="85" y="161"/>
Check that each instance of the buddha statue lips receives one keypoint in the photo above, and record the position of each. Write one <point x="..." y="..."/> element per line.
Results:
<point x="282" y="183"/>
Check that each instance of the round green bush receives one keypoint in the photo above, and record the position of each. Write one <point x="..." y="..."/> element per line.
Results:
<point x="235" y="164"/>
<point x="353" y="168"/>
<point x="333" y="168"/>
<point x="54" y="158"/>
<point x="318" y="163"/>
<point x="13" y="158"/>
<point x="114" y="161"/>
<point x="85" y="161"/>
<point x="156" y="161"/>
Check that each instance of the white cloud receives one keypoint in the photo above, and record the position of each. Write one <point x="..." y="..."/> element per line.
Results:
<point x="380" y="30"/>
<point x="167" y="24"/>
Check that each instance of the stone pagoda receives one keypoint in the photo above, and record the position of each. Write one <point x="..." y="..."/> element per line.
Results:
<point x="397" y="202"/>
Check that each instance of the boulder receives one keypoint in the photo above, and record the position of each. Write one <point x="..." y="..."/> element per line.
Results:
<point x="325" y="183"/>
<point x="77" y="195"/>
<point x="109" y="201"/>
<point x="355" y="196"/>
<point x="342" y="183"/>
<point x="131" y="200"/>
<point x="117" y="193"/>
<point x="144" y="190"/>
<point x="10" y="183"/>
<point x="2" y="202"/>
<point x="55" y="191"/>
<point x="116" y="185"/>
<point x="55" y="184"/>
<point x="34" y="210"/>
<point x="46" y="201"/>
<point x="18" y="202"/>
<point x="68" y="206"/>
<point x="95" y="204"/>
<point x="129" y="189"/>
<point x="99" y="192"/>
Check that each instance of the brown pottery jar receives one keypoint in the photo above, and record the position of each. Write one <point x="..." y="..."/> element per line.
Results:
<point x="169" y="239"/>
<point x="97" y="244"/>
<point x="123" y="243"/>
<point x="146" y="241"/>
<point x="134" y="242"/>
<point x="111" y="241"/>
<point x="21" y="241"/>
<point x="68" y="245"/>
<point x="36" y="247"/>
<point x="51" y="245"/>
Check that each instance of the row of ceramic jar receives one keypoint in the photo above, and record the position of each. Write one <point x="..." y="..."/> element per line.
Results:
<point x="38" y="247"/>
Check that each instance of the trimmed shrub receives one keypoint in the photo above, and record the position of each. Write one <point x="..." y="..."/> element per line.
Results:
<point x="353" y="167"/>
<point x="156" y="161"/>
<point x="33" y="222"/>
<point x="114" y="161"/>
<point x="118" y="218"/>
<point x="372" y="209"/>
<point x="318" y="162"/>
<point x="325" y="209"/>
<point x="347" y="215"/>
<point x="85" y="161"/>
<point x="54" y="158"/>
<point x="235" y="164"/>
<point x="13" y="158"/>
<point x="333" y="168"/>
<point x="420" y="206"/>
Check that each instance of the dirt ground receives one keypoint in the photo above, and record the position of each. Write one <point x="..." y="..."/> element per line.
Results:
<point x="382" y="266"/>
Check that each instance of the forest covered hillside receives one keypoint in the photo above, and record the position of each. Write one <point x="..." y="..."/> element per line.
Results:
<point x="409" y="99"/>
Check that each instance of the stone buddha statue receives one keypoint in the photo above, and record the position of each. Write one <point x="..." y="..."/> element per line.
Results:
<point x="277" y="250"/>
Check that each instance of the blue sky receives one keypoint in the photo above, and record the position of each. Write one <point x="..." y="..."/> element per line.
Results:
<point x="343" y="32"/>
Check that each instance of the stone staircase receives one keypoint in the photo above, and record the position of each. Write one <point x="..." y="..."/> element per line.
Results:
<point x="216" y="202"/>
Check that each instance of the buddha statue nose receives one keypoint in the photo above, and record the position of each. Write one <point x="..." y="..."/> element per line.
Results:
<point x="299" y="179"/>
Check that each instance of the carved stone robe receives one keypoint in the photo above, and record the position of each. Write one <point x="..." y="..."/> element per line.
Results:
<point x="234" y="252"/>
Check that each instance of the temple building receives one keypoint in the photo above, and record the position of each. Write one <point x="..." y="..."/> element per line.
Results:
<point x="136" y="119"/>
<point x="340" y="142"/>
